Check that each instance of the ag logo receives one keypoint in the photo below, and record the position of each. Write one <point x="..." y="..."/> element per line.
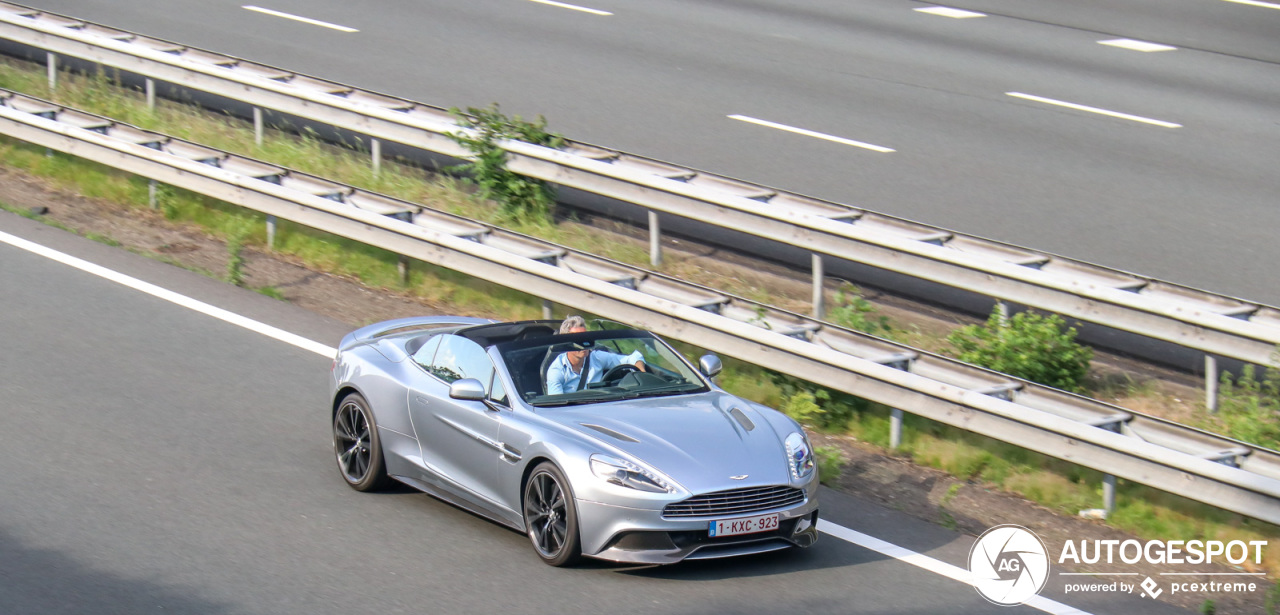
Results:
<point x="1009" y="565"/>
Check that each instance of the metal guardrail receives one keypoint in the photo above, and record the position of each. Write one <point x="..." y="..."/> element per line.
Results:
<point x="1215" y="324"/>
<point x="1148" y="450"/>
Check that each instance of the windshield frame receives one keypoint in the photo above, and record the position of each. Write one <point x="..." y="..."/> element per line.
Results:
<point x="597" y="395"/>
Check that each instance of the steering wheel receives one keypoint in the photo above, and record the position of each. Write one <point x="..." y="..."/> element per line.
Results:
<point x="618" y="371"/>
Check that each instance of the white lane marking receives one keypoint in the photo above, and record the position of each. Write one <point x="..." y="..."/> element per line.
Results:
<point x="889" y="549"/>
<point x="1123" y="116"/>
<point x="170" y="296"/>
<point x="1128" y="43"/>
<point x="946" y="11"/>
<point x="572" y="7"/>
<point x="1265" y="5"/>
<point x="314" y="22"/>
<point x="810" y="133"/>
<point x="939" y="567"/>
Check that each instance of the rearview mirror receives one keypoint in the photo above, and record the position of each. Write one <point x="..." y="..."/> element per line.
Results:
<point x="710" y="365"/>
<point x="468" y="389"/>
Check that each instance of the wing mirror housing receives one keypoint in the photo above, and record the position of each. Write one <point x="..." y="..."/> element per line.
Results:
<point x="468" y="389"/>
<point x="710" y="365"/>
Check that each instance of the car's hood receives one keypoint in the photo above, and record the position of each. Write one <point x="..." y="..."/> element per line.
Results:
<point x="700" y="441"/>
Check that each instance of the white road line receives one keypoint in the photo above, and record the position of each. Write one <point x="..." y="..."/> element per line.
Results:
<point x="810" y="133"/>
<point x="170" y="296"/>
<point x="1265" y="5"/>
<point x="1124" y="116"/>
<point x="1127" y="43"/>
<point x="939" y="567"/>
<point x="946" y="11"/>
<point x="314" y="22"/>
<point x="572" y="7"/>
<point x="889" y="549"/>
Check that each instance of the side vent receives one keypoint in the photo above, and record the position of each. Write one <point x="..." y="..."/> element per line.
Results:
<point x="609" y="432"/>
<point x="742" y="419"/>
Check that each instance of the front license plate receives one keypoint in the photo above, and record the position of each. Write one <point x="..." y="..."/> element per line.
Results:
<point x="745" y="525"/>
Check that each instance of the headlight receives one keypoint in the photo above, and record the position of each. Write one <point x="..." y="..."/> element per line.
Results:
<point x="799" y="456"/>
<point x="627" y="474"/>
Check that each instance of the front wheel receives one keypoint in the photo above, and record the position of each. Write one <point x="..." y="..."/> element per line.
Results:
<point x="550" y="518"/>
<point x="357" y="446"/>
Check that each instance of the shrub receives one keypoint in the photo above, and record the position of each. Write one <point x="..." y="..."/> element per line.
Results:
<point x="851" y="310"/>
<point x="817" y="405"/>
<point x="236" y="238"/>
<point x="1249" y="408"/>
<point x="1030" y="346"/>
<point x="521" y="198"/>
<point x="829" y="462"/>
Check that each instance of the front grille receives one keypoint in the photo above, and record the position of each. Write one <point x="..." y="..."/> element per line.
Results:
<point x="735" y="502"/>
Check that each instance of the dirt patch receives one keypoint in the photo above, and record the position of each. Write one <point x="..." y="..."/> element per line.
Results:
<point x="921" y="492"/>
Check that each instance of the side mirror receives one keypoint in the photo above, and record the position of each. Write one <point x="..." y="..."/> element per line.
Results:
<point x="710" y="365"/>
<point x="468" y="389"/>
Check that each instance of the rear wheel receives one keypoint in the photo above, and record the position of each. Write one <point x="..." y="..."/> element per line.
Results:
<point x="550" y="518"/>
<point x="357" y="446"/>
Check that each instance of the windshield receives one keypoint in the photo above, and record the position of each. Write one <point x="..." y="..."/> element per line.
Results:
<point x="597" y="366"/>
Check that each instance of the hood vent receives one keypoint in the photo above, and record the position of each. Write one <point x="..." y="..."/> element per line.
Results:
<point x="609" y="432"/>
<point x="742" y="419"/>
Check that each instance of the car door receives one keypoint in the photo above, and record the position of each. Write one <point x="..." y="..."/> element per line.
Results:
<point x="459" y="438"/>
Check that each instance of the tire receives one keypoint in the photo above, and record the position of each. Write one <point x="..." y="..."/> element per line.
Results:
<point x="550" y="516"/>
<point x="357" y="447"/>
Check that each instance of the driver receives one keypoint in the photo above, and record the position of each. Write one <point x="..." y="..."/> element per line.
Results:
<point x="565" y="373"/>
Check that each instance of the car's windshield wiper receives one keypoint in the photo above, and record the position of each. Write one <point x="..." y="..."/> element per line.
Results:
<point x="574" y="402"/>
<point x="674" y="389"/>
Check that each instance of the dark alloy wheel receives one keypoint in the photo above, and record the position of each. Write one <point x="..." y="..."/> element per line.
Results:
<point x="356" y="445"/>
<point x="550" y="517"/>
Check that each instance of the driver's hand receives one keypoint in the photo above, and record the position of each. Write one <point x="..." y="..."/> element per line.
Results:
<point x="640" y="366"/>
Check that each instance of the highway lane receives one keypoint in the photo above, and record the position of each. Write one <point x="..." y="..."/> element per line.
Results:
<point x="158" y="459"/>
<point x="1192" y="204"/>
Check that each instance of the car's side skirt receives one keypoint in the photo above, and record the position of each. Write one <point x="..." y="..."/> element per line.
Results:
<point x="489" y="512"/>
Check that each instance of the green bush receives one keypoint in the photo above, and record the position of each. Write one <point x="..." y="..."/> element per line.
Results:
<point x="1248" y="407"/>
<point x="851" y="310"/>
<point x="521" y="198"/>
<point x="1030" y="346"/>
<point x="829" y="462"/>
<point x="817" y="405"/>
<point x="238" y="236"/>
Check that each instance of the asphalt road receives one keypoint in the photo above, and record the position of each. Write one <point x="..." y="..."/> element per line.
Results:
<point x="158" y="460"/>
<point x="1193" y="204"/>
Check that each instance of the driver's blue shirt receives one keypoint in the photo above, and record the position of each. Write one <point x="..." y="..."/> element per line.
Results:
<point x="562" y="379"/>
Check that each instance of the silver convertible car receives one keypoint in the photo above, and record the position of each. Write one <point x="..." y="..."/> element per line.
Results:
<point x="646" y="462"/>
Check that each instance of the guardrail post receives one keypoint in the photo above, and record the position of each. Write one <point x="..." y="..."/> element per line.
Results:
<point x="257" y="126"/>
<point x="1002" y="309"/>
<point x="403" y="268"/>
<point x="818" y="280"/>
<point x="151" y="195"/>
<point x="271" y="231"/>
<point x="546" y="309"/>
<point x="1211" y="382"/>
<point x="655" y="239"/>
<point x="151" y="94"/>
<point x="1109" y="493"/>
<point x="895" y="428"/>
<point x="51" y="61"/>
<point x="376" y="147"/>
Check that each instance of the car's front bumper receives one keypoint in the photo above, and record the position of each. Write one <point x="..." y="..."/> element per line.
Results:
<point x="642" y="536"/>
